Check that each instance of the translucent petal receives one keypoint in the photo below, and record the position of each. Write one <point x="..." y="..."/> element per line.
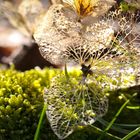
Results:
<point x="113" y="37"/>
<point x="110" y="45"/>
<point x="72" y="103"/>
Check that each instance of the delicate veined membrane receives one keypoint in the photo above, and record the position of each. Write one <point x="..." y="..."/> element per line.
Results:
<point x="79" y="101"/>
<point x="63" y="38"/>
<point x="60" y="30"/>
<point x="71" y="104"/>
<point x="62" y="27"/>
<point x="108" y="48"/>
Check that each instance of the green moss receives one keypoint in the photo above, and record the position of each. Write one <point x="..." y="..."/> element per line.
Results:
<point x="21" y="102"/>
<point x="133" y="6"/>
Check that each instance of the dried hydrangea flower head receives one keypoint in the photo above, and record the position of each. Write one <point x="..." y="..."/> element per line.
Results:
<point x="70" y="104"/>
<point x="107" y="46"/>
<point x="67" y="36"/>
<point x="63" y="26"/>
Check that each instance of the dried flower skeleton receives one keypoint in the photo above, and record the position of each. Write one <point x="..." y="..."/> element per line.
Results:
<point x="105" y="44"/>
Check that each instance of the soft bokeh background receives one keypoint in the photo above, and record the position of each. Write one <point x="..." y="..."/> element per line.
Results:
<point x="17" y="48"/>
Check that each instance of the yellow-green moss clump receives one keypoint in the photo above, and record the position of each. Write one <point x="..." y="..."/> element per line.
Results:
<point x="21" y="101"/>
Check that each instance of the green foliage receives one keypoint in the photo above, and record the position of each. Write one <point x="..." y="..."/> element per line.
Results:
<point x="21" y="101"/>
<point x="125" y="6"/>
<point x="21" y="104"/>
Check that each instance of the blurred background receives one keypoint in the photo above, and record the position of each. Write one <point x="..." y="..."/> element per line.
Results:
<point x="16" y="46"/>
